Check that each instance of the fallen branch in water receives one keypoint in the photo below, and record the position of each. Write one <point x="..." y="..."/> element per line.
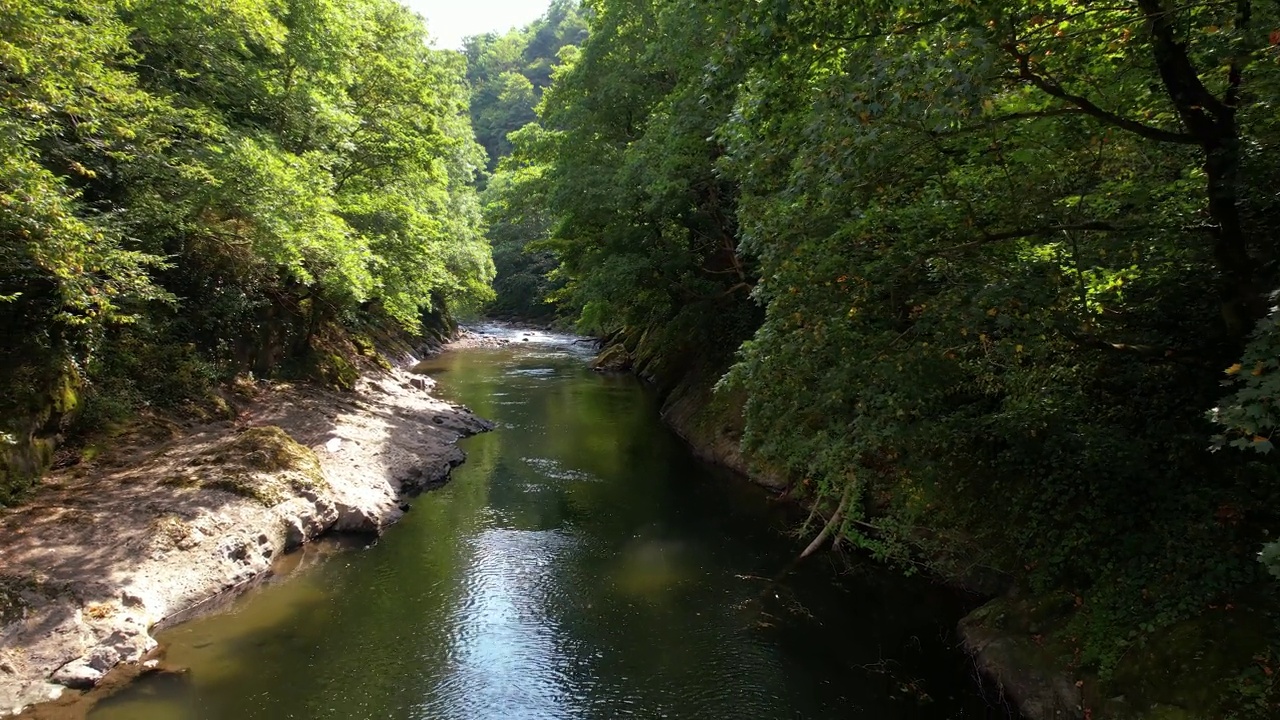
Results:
<point x="832" y="525"/>
<point x="830" y="528"/>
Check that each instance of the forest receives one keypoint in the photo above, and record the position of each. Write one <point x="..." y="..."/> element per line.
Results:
<point x="195" y="190"/>
<point x="990" y="284"/>
<point x="509" y="75"/>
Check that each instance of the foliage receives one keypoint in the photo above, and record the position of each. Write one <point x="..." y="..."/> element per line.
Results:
<point x="1250" y="415"/>
<point x="1270" y="557"/>
<point x="645" y="226"/>
<point x="226" y="176"/>
<point x="1003" y="250"/>
<point x="508" y="75"/>
<point x="514" y="212"/>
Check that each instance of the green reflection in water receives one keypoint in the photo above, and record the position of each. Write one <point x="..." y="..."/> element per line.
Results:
<point x="580" y="565"/>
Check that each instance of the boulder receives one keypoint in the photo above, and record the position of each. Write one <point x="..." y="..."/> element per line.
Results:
<point x="306" y="518"/>
<point x="85" y="672"/>
<point x="615" y="358"/>
<point x="77" y="675"/>
<point x="360" y="518"/>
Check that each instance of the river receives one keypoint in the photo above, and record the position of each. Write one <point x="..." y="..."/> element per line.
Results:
<point x="581" y="564"/>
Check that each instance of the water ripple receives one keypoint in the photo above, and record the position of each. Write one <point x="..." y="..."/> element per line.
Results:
<point x="505" y="658"/>
<point x="552" y="469"/>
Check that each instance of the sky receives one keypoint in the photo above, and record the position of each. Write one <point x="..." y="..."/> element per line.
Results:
<point x="451" y="20"/>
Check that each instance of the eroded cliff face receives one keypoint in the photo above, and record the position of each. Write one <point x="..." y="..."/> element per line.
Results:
<point x="710" y="422"/>
<point x="712" y="425"/>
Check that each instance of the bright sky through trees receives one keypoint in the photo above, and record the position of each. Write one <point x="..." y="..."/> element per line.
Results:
<point x="449" y="21"/>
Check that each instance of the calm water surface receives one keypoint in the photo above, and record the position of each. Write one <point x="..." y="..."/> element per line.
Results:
<point x="580" y="565"/>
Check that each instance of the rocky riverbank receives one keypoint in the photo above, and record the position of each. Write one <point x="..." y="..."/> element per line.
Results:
<point x="173" y="516"/>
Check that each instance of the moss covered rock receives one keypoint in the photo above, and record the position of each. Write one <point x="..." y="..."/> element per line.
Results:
<point x="336" y="371"/>
<point x="1013" y="643"/>
<point x="615" y="358"/>
<point x="1186" y="671"/>
<point x="263" y="463"/>
<point x="29" y="438"/>
<point x="22" y="462"/>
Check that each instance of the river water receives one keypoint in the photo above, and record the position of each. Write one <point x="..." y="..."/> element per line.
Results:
<point x="581" y="564"/>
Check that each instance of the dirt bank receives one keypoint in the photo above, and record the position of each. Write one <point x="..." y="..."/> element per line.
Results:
<point x="108" y="548"/>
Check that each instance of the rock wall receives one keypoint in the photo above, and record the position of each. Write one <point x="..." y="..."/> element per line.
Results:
<point x="29" y="437"/>
<point x="712" y="426"/>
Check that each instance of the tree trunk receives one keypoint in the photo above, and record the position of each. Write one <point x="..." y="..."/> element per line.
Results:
<point x="1212" y="121"/>
<point x="1241" y="299"/>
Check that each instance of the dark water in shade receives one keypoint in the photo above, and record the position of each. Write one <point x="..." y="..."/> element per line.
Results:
<point x="581" y="564"/>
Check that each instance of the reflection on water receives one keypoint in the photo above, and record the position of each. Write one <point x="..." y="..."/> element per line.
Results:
<point x="580" y="565"/>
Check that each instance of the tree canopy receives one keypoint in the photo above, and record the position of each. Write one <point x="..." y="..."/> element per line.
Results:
<point x="508" y="76"/>
<point x="992" y="279"/>
<point x="976" y="268"/>
<point x="209" y="183"/>
<point x="508" y="73"/>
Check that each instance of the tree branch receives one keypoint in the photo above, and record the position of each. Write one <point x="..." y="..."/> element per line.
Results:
<point x="1049" y="87"/>
<point x="876" y="34"/>
<point x="1086" y="226"/>
<point x="832" y="525"/>
<point x="1191" y="98"/>
<point x="1009" y="117"/>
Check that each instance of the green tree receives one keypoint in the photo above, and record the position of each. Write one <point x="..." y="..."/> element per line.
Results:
<point x="978" y="232"/>
<point x="508" y="75"/>
<point x="193" y="188"/>
<point x="646" y="231"/>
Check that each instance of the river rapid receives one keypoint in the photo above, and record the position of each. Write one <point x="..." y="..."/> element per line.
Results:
<point x="581" y="564"/>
